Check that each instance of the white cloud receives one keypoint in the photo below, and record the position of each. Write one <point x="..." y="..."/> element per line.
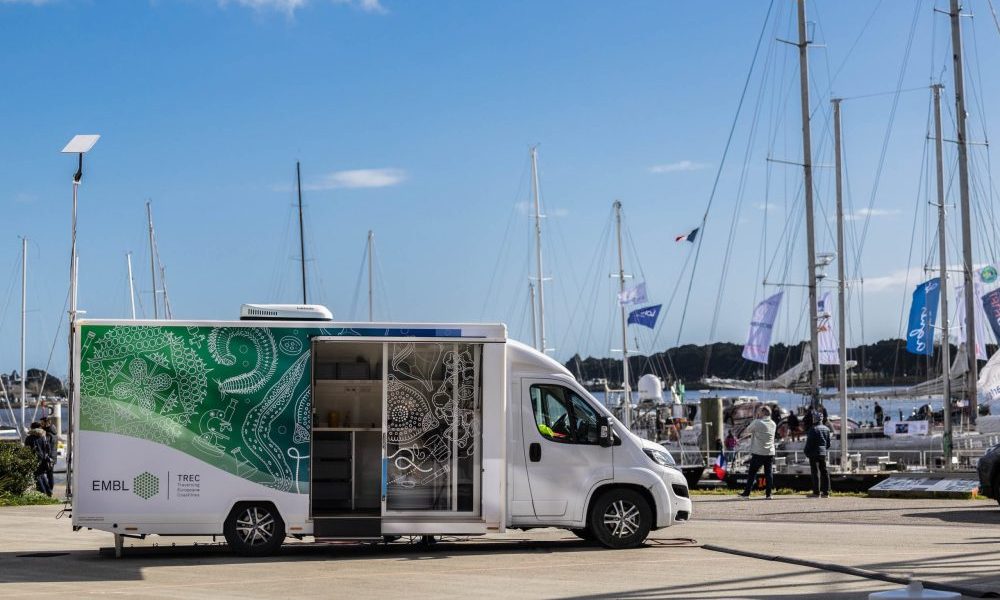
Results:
<point x="676" y="167"/>
<point x="895" y="280"/>
<point x="864" y="213"/>
<point x="766" y="206"/>
<point x="286" y="6"/>
<point x="372" y="6"/>
<point x="358" y="178"/>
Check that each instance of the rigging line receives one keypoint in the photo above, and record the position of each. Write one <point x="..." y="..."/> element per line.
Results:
<point x="500" y="256"/>
<point x="922" y="88"/>
<point x="631" y="245"/>
<point x="357" y="285"/>
<point x="889" y="126"/>
<point x="718" y="173"/>
<point x="737" y="210"/>
<point x="11" y="280"/>
<point x="599" y="251"/>
<point x="993" y="11"/>
<point x="906" y="287"/>
<point x="52" y="349"/>
<point x="670" y="302"/>
<point x="854" y="45"/>
<point x="977" y="82"/>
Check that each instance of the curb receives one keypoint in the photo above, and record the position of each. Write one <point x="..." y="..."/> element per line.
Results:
<point x="944" y="587"/>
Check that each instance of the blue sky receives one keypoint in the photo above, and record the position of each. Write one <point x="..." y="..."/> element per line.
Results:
<point x="414" y="119"/>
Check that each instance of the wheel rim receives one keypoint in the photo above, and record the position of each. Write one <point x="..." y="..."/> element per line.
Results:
<point x="621" y="519"/>
<point x="255" y="526"/>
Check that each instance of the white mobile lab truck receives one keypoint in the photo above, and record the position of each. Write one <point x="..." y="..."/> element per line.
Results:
<point x="286" y="423"/>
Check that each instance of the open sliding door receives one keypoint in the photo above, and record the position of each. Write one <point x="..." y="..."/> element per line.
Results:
<point x="432" y="456"/>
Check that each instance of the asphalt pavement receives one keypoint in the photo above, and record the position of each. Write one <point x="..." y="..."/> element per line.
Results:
<point x="846" y="543"/>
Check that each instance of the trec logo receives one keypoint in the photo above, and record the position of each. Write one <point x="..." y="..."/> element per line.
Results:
<point x="146" y="485"/>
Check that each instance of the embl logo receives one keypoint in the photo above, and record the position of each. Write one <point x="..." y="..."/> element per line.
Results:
<point x="146" y="485"/>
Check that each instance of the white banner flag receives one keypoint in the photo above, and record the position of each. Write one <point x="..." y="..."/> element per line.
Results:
<point x="829" y="351"/>
<point x="761" y="325"/>
<point x="633" y="295"/>
<point x="989" y="378"/>
<point x="980" y="318"/>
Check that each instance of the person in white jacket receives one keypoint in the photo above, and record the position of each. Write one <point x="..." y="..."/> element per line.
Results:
<point x="761" y="434"/>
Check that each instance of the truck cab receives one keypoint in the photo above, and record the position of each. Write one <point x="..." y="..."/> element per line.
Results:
<point x="571" y="464"/>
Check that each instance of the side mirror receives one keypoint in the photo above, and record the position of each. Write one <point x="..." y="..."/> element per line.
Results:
<point x="604" y="437"/>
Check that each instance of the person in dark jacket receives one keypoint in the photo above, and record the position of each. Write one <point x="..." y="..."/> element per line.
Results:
<point x="816" y="449"/>
<point x="52" y="437"/>
<point x="40" y="446"/>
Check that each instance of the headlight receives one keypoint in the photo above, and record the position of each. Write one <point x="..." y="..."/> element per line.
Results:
<point x="660" y="457"/>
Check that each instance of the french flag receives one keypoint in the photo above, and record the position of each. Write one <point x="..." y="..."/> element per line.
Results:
<point x="719" y="468"/>
<point x="689" y="236"/>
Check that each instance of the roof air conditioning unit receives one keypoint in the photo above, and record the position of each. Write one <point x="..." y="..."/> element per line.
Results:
<point x="285" y="312"/>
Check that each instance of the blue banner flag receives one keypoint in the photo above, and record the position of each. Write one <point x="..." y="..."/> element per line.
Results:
<point x="991" y="306"/>
<point x="645" y="316"/>
<point x="923" y="315"/>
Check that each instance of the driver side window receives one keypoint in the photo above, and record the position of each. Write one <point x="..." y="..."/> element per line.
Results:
<point x="563" y="416"/>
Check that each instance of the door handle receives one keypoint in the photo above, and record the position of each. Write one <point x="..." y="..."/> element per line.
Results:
<point x="535" y="452"/>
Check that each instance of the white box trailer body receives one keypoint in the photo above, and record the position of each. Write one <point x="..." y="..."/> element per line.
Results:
<point x="343" y="430"/>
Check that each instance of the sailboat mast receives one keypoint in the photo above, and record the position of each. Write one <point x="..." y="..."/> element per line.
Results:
<point x="538" y="250"/>
<point x="534" y="329"/>
<point x="963" y="189"/>
<point x="131" y="284"/>
<point x="152" y="256"/>
<point x="371" y="249"/>
<point x="627" y="412"/>
<point x="24" y="319"/>
<point x="943" y="260"/>
<point x="803" y="46"/>
<point x="302" y="237"/>
<point x="841" y="287"/>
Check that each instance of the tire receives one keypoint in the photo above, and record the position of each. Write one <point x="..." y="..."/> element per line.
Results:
<point x="996" y="487"/>
<point x="584" y="534"/>
<point x="620" y="518"/>
<point x="254" y="529"/>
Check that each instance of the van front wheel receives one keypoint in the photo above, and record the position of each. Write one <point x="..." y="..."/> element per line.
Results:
<point x="254" y="529"/>
<point x="621" y="518"/>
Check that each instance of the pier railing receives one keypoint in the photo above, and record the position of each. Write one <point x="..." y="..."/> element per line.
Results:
<point x="964" y="459"/>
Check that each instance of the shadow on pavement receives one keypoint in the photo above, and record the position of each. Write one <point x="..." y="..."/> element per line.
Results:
<point x="987" y="515"/>
<point x="100" y="565"/>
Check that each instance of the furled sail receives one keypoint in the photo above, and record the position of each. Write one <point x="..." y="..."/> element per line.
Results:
<point x="931" y="387"/>
<point x="795" y="379"/>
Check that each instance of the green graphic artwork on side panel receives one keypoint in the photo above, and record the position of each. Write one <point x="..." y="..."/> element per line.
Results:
<point x="234" y="397"/>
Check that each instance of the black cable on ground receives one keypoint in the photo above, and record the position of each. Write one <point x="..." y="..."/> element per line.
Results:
<point x="944" y="587"/>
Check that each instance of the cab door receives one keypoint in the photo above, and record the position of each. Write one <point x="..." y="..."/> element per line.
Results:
<point x="562" y="451"/>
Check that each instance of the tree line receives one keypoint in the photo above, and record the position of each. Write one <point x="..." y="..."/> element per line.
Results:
<point x="885" y="362"/>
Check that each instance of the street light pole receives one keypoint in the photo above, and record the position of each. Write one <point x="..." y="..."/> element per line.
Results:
<point x="79" y="145"/>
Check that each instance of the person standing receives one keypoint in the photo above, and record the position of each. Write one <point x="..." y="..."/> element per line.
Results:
<point x="879" y="415"/>
<point x="731" y="443"/>
<point x="52" y="437"/>
<point x="816" y="449"/>
<point x="40" y="446"/>
<point x="761" y="434"/>
<point x="793" y="425"/>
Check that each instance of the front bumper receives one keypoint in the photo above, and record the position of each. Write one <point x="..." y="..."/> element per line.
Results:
<point x="671" y="508"/>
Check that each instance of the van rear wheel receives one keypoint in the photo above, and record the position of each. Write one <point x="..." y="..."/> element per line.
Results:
<point x="254" y="529"/>
<point x="621" y="518"/>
